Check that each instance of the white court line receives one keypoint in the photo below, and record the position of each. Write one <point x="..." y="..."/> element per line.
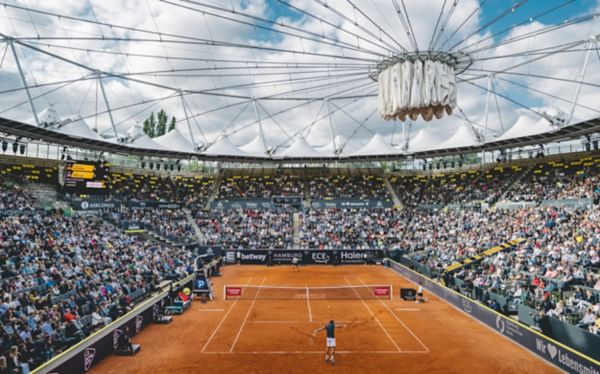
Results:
<point x="308" y="302"/>
<point x="372" y="314"/>
<point x="408" y="309"/>
<point x="314" y="352"/>
<point x="222" y="320"/>
<point x="398" y="319"/>
<point x="340" y="322"/>
<point x="210" y="310"/>
<point x="246" y="318"/>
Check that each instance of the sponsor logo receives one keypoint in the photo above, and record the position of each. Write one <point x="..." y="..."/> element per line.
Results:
<point x="500" y="324"/>
<point x="88" y="358"/>
<point x="116" y="334"/>
<point x="85" y="205"/>
<point x="466" y="305"/>
<point x="346" y="255"/>
<point x="253" y="257"/>
<point x="233" y="291"/>
<point x="138" y="323"/>
<point x="320" y="257"/>
<point x="200" y="284"/>
<point x="381" y="291"/>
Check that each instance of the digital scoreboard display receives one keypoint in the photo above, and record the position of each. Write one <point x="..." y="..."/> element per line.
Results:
<point x="86" y="178"/>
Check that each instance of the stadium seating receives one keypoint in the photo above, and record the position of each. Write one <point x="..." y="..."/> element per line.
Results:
<point x="66" y="275"/>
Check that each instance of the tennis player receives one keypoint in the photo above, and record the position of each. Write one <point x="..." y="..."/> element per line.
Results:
<point x="330" y="350"/>
<point x="295" y="261"/>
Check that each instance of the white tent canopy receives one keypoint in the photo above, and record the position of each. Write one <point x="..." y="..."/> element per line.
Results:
<point x="329" y="149"/>
<point x="47" y="115"/>
<point x="424" y="139"/>
<point x="526" y="126"/>
<point x="145" y="142"/>
<point x="224" y="147"/>
<point x="300" y="148"/>
<point x="376" y="146"/>
<point x="175" y="140"/>
<point x="78" y="127"/>
<point x="256" y="147"/>
<point x="463" y="137"/>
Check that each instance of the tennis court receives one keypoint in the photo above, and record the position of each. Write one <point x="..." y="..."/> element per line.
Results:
<point x="270" y="328"/>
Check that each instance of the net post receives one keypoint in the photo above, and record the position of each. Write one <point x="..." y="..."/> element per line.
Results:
<point x="391" y="292"/>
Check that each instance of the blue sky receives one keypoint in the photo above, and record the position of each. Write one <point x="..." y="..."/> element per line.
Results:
<point x="490" y="10"/>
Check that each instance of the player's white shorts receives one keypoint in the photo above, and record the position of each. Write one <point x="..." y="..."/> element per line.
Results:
<point x="330" y="342"/>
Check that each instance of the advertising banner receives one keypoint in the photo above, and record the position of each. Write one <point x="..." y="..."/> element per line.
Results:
<point x="351" y="203"/>
<point x="153" y="204"/>
<point x="105" y="346"/>
<point x="257" y="204"/>
<point x="209" y="251"/>
<point x="93" y="204"/>
<point x="200" y="283"/>
<point x="305" y="257"/>
<point x="550" y="350"/>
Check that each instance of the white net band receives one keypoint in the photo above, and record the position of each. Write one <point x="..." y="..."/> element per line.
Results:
<point x="360" y="292"/>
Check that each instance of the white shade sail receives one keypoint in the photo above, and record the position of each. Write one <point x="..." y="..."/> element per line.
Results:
<point x="145" y="142"/>
<point x="463" y="137"/>
<point x="300" y="148"/>
<point x="176" y="141"/>
<point x="424" y="139"/>
<point x="376" y="146"/>
<point x="78" y="127"/>
<point x="224" y="147"/>
<point x="256" y="147"/>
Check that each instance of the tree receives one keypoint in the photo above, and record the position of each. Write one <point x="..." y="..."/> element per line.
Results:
<point x="150" y="126"/>
<point x="161" y="127"/>
<point x="172" y="124"/>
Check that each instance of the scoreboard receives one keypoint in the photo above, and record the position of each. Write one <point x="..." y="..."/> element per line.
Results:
<point x="86" y="178"/>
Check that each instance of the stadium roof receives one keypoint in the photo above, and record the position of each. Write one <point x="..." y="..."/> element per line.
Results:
<point x="270" y="80"/>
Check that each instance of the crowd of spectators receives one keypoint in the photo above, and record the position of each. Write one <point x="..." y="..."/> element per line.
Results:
<point x="64" y="277"/>
<point x="351" y="228"/>
<point x="247" y="228"/>
<point x="142" y="187"/>
<point x="170" y="224"/>
<point x="261" y="187"/>
<point x="548" y="270"/>
<point x="348" y="187"/>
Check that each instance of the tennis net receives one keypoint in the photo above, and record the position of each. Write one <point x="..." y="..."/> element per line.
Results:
<point x="358" y="292"/>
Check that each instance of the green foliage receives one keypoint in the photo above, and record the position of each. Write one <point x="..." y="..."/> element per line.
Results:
<point x="150" y="126"/>
<point x="161" y="126"/>
<point x="157" y="126"/>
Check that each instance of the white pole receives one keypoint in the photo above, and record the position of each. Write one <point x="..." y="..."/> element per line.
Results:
<point x="112" y="121"/>
<point x="331" y="127"/>
<point x="12" y="47"/>
<point x="589" y="45"/>
<point x="260" y="129"/>
<point x="487" y="107"/>
<point x="187" y="118"/>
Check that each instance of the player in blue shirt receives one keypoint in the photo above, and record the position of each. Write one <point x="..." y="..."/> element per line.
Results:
<point x="330" y="351"/>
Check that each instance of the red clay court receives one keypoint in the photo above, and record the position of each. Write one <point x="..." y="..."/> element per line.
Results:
<point x="269" y="336"/>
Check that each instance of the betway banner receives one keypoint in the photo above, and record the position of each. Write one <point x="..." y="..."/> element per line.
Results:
<point x="305" y="257"/>
<point x="557" y="354"/>
<point x="351" y="203"/>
